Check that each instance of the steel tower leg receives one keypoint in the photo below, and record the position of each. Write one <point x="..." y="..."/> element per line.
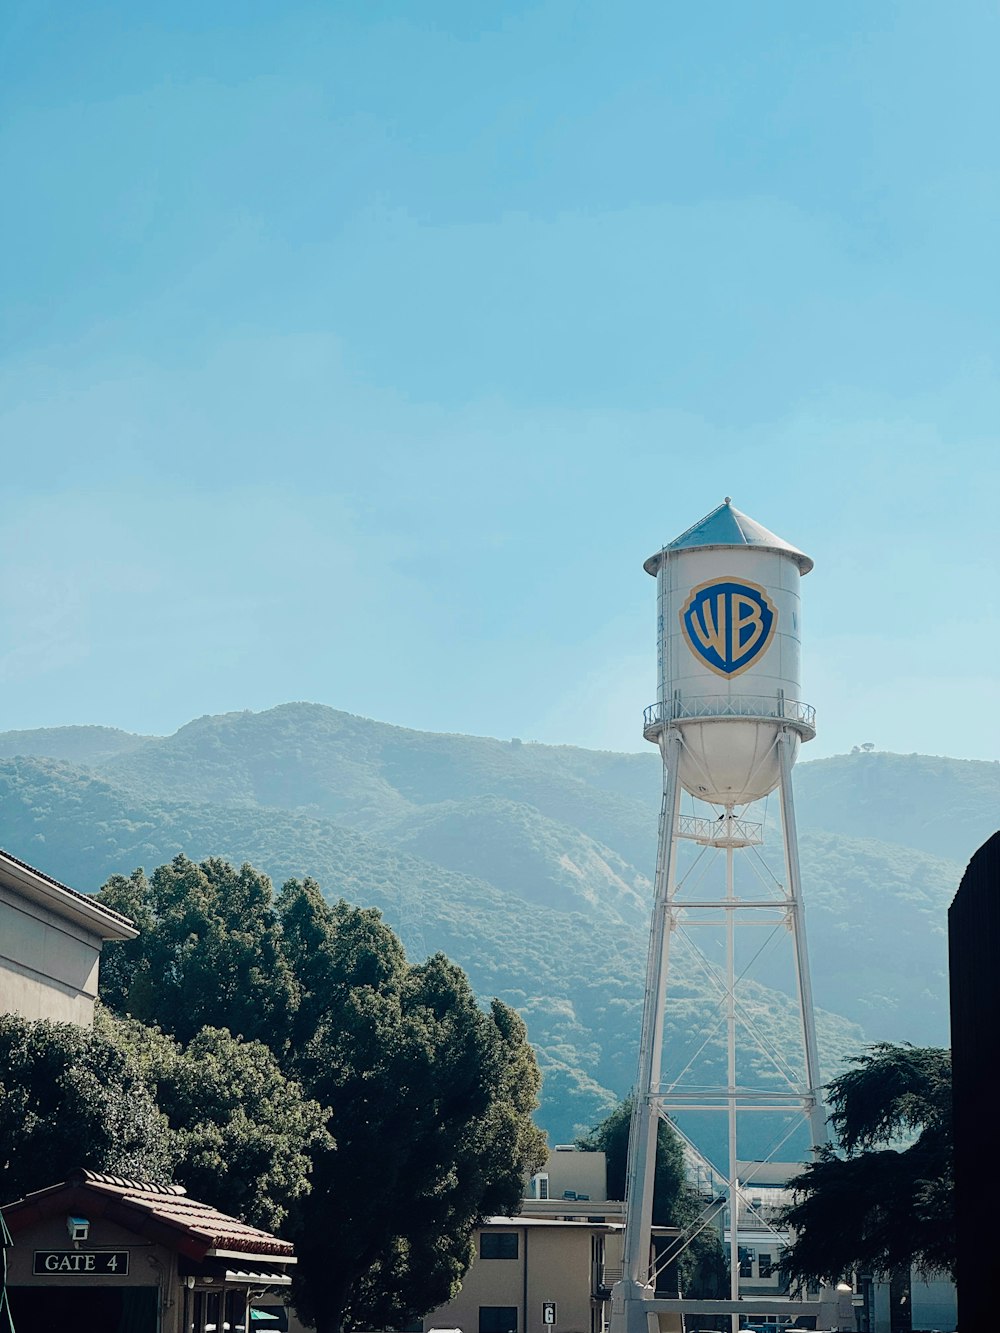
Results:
<point x="790" y="837"/>
<point x="734" y="1201"/>
<point x="627" y="1313"/>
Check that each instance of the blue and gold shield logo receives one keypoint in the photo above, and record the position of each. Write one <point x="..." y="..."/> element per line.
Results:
<point x="728" y="624"/>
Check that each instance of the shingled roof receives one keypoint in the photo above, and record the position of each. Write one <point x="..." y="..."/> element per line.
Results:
<point x="161" y="1213"/>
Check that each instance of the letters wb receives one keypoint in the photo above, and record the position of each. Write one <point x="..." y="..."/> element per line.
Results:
<point x="728" y="625"/>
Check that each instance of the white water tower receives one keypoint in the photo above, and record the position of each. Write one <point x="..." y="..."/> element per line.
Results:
<point x="729" y="627"/>
<point x="728" y="720"/>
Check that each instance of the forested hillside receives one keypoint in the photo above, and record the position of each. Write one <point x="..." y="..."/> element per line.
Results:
<point x="527" y="864"/>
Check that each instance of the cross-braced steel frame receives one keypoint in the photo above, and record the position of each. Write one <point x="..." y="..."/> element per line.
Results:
<point x="633" y="1299"/>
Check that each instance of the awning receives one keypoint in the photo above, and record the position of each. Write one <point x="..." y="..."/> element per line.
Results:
<point x="240" y="1277"/>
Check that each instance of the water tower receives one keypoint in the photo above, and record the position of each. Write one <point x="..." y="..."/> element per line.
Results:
<point x="728" y="720"/>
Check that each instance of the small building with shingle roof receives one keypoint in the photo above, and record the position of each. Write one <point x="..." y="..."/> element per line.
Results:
<point x="101" y="1252"/>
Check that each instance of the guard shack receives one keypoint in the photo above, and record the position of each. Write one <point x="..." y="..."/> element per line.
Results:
<point x="122" y="1256"/>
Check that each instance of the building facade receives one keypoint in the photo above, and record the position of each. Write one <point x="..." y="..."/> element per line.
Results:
<point x="533" y="1275"/>
<point x="50" y="945"/>
<point x="551" y="1268"/>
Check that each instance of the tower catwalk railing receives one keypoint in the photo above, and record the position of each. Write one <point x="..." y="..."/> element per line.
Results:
<point x="765" y="706"/>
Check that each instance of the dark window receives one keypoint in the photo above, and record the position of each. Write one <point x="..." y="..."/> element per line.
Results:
<point x="746" y="1257"/>
<point x="765" y="1264"/>
<point x="540" y="1185"/>
<point x="498" y="1319"/>
<point x="498" y="1245"/>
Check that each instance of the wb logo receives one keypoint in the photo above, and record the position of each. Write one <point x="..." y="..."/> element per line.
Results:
<point x="728" y="624"/>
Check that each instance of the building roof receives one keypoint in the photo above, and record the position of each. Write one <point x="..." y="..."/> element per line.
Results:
<point x="68" y="903"/>
<point x="771" y="1174"/>
<point x="576" y="1223"/>
<point x="726" y="526"/>
<point x="161" y="1213"/>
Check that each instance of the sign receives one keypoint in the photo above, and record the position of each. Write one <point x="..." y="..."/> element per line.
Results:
<point x="80" y="1263"/>
<point x="548" y="1312"/>
<point x="728" y="624"/>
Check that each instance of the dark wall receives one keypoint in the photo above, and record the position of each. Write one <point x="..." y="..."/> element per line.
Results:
<point x="974" y="956"/>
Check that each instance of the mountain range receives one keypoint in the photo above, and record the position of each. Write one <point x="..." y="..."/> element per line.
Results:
<point x="530" y="866"/>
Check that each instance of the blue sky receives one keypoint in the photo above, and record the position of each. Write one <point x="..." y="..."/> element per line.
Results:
<point x="361" y="352"/>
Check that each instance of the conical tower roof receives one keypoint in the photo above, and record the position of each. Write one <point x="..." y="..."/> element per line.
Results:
<point x="726" y="526"/>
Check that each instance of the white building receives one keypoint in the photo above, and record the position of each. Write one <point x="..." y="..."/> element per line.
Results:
<point x="50" y="945"/>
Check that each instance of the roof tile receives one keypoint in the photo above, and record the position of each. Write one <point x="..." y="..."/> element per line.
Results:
<point x="139" y="1201"/>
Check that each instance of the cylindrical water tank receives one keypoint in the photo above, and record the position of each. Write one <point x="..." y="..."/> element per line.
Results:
<point x="729" y="636"/>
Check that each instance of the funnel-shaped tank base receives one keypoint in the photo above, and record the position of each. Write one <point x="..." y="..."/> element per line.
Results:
<point x="729" y="753"/>
<point x="729" y="762"/>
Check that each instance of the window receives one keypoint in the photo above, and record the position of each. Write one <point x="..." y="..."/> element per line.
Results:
<point x="765" y="1264"/>
<point x="498" y="1319"/>
<point x="540" y="1185"/>
<point x="498" y="1245"/>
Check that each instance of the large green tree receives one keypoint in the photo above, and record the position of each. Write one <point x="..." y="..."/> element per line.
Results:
<point x="244" y="1133"/>
<point x="432" y="1100"/>
<point x="886" y="1200"/>
<point x="72" y="1097"/>
<point x="209" y="951"/>
<point x="701" y="1264"/>
<point x="218" y="1116"/>
<point x="430" y="1097"/>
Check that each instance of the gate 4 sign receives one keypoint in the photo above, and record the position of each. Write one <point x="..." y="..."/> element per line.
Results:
<point x="728" y="624"/>
<point x="80" y="1263"/>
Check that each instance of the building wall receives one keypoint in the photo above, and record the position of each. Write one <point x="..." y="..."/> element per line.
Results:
<point x="933" y="1303"/>
<point x="577" y="1173"/>
<point x="149" y="1265"/>
<point x="583" y="1176"/>
<point x="561" y="1270"/>
<point x="881" y="1310"/>
<point x="48" y="966"/>
<point x="554" y="1263"/>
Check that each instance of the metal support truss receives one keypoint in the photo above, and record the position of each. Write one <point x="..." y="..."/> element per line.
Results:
<point x="633" y="1299"/>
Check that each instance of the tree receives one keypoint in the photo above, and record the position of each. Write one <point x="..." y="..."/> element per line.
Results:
<point x="431" y="1112"/>
<point x="218" y="1116"/>
<point x="430" y="1097"/>
<point x="209" y="951"/>
<point x="70" y="1097"/>
<point x="701" y="1265"/>
<point x="886" y="1203"/>
<point x="243" y="1132"/>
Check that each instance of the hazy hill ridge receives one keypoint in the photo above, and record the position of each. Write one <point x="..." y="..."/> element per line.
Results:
<point x="77" y="745"/>
<point x="528" y="864"/>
